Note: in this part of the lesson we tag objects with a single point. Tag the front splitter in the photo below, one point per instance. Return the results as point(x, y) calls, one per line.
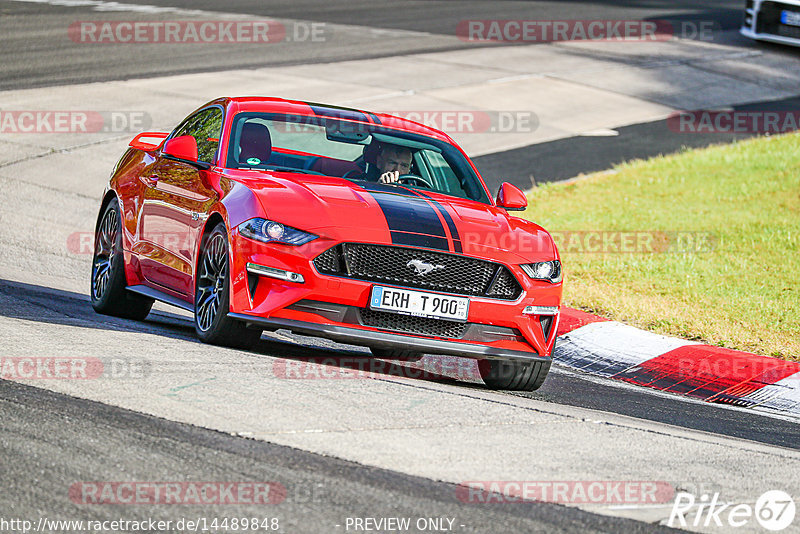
point(370, 338)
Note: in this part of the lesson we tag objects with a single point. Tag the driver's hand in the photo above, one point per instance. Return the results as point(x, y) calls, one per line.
point(389, 177)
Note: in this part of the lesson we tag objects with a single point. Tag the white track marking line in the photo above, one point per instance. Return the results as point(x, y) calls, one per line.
point(117, 7)
point(100, 5)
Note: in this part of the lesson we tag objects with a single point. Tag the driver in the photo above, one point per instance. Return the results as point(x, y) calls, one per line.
point(392, 162)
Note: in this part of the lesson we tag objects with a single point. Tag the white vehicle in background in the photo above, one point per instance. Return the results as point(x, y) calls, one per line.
point(778, 22)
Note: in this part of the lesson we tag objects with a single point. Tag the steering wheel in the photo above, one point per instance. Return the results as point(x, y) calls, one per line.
point(419, 180)
point(355, 172)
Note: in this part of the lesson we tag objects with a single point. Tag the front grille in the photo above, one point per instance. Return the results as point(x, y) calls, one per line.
point(482, 333)
point(393, 265)
point(503, 284)
point(769, 20)
point(788, 31)
point(413, 325)
point(328, 261)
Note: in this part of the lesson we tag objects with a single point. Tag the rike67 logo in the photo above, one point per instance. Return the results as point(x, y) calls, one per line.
point(774, 511)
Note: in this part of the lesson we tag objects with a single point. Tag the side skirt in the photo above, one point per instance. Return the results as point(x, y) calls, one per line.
point(161, 296)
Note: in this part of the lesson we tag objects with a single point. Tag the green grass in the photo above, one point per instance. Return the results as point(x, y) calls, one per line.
point(742, 294)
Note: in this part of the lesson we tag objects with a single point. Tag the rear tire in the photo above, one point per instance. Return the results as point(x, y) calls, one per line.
point(212, 296)
point(514, 375)
point(108, 283)
point(394, 354)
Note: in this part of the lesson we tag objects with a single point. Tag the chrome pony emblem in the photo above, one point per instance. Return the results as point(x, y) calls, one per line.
point(423, 268)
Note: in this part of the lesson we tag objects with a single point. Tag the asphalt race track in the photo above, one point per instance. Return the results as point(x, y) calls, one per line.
point(400, 28)
point(385, 446)
point(320, 491)
point(561, 387)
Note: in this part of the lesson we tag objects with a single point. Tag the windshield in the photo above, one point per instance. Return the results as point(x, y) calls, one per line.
point(351, 150)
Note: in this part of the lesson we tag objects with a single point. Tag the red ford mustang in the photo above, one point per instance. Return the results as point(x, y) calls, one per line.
point(262, 213)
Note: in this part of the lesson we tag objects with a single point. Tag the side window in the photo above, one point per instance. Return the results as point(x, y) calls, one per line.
point(205, 126)
point(419, 165)
point(443, 175)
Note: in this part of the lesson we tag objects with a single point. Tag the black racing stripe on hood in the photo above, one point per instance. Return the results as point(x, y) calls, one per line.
point(390, 189)
point(407, 216)
point(419, 240)
point(451, 225)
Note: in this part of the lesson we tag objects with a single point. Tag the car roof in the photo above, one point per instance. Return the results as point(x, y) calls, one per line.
point(303, 108)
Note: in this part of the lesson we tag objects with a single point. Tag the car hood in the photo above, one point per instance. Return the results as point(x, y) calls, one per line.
point(343, 210)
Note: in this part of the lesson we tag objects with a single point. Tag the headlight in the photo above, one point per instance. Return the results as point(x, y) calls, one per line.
point(544, 270)
point(274, 232)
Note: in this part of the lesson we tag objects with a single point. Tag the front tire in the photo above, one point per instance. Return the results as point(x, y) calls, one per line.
point(212, 296)
point(514, 375)
point(107, 291)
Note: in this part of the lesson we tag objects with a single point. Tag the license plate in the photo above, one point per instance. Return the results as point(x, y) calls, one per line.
point(419, 303)
point(790, 18)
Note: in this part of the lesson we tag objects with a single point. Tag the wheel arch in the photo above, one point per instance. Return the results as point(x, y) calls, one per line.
point(225, 331)
point(132, 274)
point(211, 222)
point(107, 198)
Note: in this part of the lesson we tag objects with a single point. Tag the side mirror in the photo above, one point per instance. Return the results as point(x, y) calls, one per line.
point(511, 198)
point(184, 149)
point(138, 144)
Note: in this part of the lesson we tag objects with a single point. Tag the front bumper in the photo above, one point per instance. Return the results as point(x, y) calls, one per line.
point(762, 22)
point(337, 308)
point(747, 32)
point(357, 336)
